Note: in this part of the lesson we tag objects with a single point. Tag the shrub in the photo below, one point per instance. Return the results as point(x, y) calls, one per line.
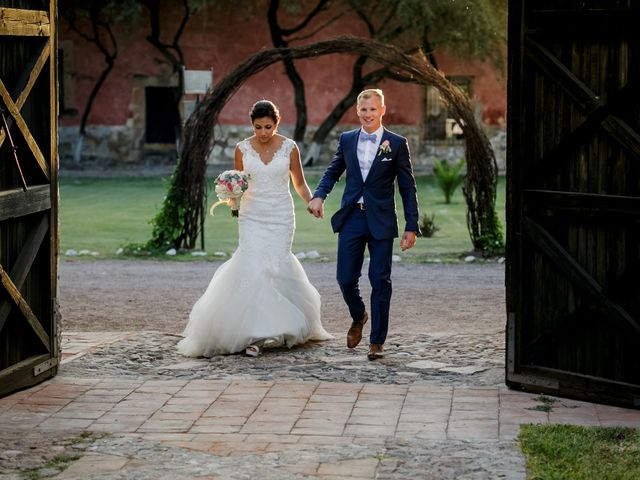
point(448, 177)
point(427, 225)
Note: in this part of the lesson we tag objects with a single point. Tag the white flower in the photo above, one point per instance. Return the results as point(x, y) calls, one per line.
point(230, 185)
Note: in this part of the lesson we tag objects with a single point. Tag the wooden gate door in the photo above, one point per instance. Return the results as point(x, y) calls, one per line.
point(573, 273)
point(29, 321)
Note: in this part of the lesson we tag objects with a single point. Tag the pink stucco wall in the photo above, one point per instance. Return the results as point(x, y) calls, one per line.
point(220, 40)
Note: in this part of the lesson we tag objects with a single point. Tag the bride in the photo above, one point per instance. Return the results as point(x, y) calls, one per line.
point(261, 297)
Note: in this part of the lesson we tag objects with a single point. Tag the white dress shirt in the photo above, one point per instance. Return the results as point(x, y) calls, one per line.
point(367, 151)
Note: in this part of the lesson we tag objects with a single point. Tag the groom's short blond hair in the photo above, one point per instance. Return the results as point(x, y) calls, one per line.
point(371, 92)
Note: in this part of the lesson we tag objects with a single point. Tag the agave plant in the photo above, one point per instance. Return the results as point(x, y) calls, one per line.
point(448, 176)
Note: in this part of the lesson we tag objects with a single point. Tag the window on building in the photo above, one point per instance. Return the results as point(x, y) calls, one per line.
point(438, 122)
point(66, 105)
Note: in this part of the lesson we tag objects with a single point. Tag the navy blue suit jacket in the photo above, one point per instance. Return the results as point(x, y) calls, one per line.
point(378, 190)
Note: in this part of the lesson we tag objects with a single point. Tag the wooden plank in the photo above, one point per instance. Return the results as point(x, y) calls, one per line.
point(555, 69)
point(54, 239)
point(555, 157)
point(25, 84)
point(24, 262)
point(612, 208)
point(598, 113)
point(21, 375)
point(28, 314)
point(33, 146)
point(554, 8)
point(28, 23)
point(18, 203)
point(586, 387)
point(624, 134)
point(34, 74)
point(579, 277)
point(516, 154)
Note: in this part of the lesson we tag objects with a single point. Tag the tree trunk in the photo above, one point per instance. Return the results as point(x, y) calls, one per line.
point(329, 123)
point(278, 41)
point(77, 154)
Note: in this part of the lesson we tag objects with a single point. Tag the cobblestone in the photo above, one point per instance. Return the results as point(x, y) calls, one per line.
point(430, 359)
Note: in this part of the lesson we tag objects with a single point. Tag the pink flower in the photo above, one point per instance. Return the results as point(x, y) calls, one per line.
point(385, 147)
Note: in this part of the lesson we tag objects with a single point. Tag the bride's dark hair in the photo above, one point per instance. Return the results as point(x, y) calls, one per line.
point(264, 108)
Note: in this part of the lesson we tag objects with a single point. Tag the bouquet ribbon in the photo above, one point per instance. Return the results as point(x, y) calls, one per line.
point(232, 202)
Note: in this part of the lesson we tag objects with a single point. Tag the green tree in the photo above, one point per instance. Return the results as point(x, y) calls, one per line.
point(467, 29)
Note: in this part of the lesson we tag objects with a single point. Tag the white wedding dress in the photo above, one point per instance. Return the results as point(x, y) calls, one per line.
point(262, 293)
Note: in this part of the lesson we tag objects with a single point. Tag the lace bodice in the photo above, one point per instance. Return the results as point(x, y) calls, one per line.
point(271, 179)
point(266, 222)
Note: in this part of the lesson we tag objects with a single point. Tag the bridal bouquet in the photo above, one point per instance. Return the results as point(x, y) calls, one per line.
point(230, 185)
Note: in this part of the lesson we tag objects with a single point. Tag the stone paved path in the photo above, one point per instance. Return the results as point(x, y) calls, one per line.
point(124, 405)
point(119, 410)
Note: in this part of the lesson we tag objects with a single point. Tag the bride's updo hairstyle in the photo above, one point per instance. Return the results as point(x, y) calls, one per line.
point(263, 109)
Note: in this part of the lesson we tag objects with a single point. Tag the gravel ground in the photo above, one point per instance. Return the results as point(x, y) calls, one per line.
point(123, 295)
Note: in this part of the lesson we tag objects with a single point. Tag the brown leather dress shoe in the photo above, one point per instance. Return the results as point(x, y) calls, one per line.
point(354, 335)
point(375, 351)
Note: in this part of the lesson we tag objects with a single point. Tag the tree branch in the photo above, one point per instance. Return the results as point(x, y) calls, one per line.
point(320, 28)
point(318, 8)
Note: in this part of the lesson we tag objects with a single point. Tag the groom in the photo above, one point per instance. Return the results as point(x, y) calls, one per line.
point(373, 158)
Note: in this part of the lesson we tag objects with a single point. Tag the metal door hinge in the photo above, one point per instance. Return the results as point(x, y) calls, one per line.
point(44, 366)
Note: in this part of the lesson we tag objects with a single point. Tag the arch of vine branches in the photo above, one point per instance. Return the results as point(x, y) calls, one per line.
point(181, 217)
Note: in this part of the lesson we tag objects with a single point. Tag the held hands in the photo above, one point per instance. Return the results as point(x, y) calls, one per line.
point(408, 240)
point(316, 207)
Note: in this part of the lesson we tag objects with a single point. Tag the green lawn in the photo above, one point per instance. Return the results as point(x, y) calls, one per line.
point(104, 214)
point(572, 452)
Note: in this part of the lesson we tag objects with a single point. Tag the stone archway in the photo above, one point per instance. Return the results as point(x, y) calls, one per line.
point(182, 216)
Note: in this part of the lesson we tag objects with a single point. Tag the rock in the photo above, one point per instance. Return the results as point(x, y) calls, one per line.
point(469, 258)
point(219, 254)
point(198, 254)
point(10, 453)
point(426, 364)
point(71, 253)
point(120, 251)
point(469, 370)
point(396, 258)
point(84, 252)
point(301, 255)
point(171, 252)
point(313, 254)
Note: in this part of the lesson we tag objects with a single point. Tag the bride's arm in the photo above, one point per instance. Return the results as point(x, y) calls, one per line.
point(297, 176)
point(237, 157)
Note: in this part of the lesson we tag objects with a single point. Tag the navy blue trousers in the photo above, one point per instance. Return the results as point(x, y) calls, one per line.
point(353, 238)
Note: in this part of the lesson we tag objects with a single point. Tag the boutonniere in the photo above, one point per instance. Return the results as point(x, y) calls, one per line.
point(384, 147)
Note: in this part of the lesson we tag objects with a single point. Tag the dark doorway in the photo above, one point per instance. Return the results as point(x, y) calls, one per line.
point(162, 117)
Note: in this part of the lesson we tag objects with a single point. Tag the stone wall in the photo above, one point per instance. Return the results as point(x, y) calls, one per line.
point(115, 147)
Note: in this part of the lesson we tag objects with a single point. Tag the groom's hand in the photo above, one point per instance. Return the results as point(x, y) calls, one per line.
point(316, 207)
point(408, 240)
